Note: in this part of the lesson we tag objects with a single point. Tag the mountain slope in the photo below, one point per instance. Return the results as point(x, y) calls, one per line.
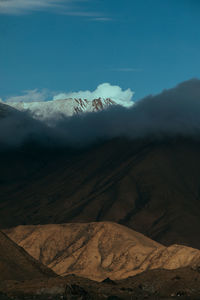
point(16, 264)
point(99, 250)
point(6, 110)
point(150, 186)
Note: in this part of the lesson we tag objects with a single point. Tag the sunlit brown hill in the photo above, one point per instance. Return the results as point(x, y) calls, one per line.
point(99, 250)
point(17, 264)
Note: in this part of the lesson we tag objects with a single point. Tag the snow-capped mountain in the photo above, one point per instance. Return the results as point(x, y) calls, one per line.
point(67, 107)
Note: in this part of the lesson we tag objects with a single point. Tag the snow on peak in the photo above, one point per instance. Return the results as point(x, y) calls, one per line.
point(68, 104)
point(67, 107)
point(103, 91)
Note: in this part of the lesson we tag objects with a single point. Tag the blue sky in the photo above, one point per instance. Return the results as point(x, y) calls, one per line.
point(68, 45)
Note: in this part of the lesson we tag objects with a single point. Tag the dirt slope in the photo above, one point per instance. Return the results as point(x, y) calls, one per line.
point(99, 250)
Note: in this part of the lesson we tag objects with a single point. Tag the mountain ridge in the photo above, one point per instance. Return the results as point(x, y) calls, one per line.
point(45, 110)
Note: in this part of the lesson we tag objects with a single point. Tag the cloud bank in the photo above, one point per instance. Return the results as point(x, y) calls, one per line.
point(29, 96)
point(66, 7)
point(21, 6)
point(104, 90)
point(173, 112)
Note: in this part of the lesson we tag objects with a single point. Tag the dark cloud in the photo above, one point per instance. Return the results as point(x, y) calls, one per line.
point(17, 128)
point(173, 112)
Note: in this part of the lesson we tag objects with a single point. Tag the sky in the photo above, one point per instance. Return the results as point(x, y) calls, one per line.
point(63, 46)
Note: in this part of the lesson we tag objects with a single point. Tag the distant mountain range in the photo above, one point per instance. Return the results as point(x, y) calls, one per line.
point(64, 107)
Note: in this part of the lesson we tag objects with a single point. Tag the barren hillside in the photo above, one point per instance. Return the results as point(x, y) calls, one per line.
point(99, 250)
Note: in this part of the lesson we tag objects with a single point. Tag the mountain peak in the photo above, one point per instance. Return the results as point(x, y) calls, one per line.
point(65, 107)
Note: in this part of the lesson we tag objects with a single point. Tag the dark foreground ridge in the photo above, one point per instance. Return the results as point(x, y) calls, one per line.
point(17, 264)
point(154, 285)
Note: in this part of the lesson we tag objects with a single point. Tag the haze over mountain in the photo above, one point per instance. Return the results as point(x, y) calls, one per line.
point(171, 113)
point(99, 250)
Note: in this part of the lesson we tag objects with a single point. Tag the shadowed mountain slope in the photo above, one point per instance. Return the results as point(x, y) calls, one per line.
point(17, 264)
point(152, 187)
point(5, 110)
point(99, 250)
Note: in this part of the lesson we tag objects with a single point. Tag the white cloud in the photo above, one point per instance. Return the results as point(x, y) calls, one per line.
point(21, 6)
point(30, 96)
point(102, 19)
point(67, 7)
point(127, 70)
point(78, 13)
point(105, 90)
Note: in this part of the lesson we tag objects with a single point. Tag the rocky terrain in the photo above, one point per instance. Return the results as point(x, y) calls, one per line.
point(22, 277)
point(153, 284)
point(99, 250)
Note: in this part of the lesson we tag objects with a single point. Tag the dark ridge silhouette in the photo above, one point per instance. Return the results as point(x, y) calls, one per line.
point(17, 264)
